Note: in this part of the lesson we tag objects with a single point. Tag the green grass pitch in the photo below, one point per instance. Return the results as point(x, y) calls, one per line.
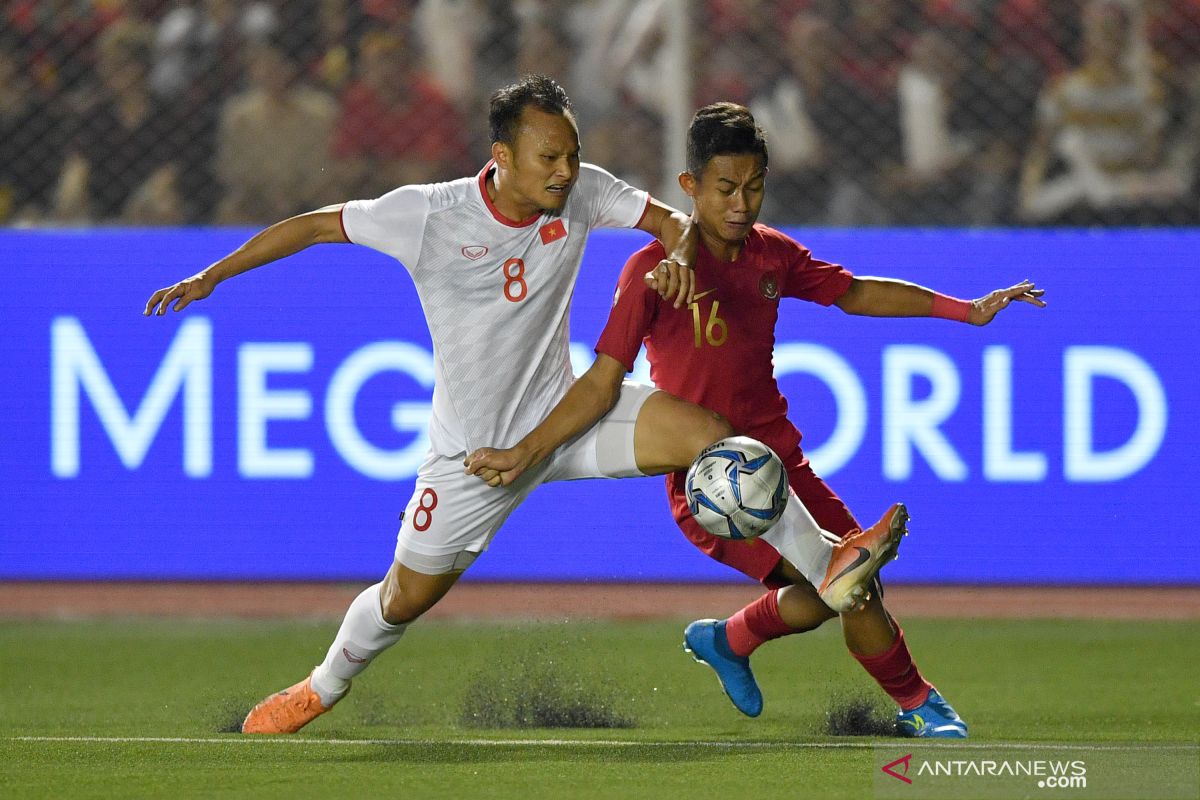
point(172, 687)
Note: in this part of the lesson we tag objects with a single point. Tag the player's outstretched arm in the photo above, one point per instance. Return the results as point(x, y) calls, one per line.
point(589, 399)
point(674, 277)
point(886, 297)
point(278, 241)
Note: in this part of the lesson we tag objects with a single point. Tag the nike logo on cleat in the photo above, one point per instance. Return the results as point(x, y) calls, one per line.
point(863, 555)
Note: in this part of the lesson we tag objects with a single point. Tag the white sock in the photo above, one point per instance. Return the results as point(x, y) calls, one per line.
point(364, 634)
point(803, 542)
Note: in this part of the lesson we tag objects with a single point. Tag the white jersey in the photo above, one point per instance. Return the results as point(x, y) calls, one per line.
point(496, 294)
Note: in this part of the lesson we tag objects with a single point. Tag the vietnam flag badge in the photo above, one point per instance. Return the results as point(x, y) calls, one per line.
point(552, 231)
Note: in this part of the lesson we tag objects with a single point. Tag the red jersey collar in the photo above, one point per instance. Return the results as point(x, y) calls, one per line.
point(487, 200)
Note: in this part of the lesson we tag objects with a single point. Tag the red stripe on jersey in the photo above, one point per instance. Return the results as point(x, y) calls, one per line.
point(645, 211)
point(342, 222)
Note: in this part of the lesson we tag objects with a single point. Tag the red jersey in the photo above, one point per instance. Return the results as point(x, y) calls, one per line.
point(717, 352)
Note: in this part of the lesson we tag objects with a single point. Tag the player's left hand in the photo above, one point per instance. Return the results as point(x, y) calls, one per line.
point(673, 281)
point(985, 309)
point(496, 467)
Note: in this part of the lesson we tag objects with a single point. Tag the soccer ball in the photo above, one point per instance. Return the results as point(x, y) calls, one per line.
point(737, 488)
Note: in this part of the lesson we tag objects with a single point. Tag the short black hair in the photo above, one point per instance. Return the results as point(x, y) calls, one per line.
point(506, 105)
point(723, 129)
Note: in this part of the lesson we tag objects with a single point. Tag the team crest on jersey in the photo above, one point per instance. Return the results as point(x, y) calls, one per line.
point(474, 251)
point(768, 286)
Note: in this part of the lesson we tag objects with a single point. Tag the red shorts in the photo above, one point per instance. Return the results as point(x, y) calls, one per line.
point(755, 557)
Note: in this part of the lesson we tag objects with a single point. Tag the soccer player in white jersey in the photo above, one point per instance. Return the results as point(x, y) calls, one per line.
point(494, 258)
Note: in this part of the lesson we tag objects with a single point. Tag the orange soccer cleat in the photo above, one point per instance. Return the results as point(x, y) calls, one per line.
point(858, 558)
point(286, 711)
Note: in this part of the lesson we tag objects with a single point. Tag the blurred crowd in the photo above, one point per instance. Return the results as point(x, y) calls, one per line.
point(878, 112)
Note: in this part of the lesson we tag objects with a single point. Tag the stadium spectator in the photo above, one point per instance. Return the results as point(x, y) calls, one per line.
point(1184, 151)
point(877, 41)
point(31, 140)
point(863, 121)
point(199, 56)
point(1037, 31)
point(743, 47)
point(794, 112)
point(340, 26)
point(449, 32)
point(395, 127)
point(930, 181)
point(996, 96)
point(269, 175)
point(544, 46)
point(123, 164)
point(203, 41)
point(618, 61)
point(59, 41)
point(1097, 156)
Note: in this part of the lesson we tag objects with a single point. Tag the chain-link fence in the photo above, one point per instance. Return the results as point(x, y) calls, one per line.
point(901, 112)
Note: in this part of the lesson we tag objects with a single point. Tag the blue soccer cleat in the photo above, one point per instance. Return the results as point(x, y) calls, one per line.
point(933, 719)
point(705, 640)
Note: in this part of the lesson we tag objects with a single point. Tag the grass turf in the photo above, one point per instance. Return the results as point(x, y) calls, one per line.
point(416, 723)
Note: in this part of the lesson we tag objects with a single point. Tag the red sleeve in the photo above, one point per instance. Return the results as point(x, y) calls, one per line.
point(808, 278)
point(634, 308)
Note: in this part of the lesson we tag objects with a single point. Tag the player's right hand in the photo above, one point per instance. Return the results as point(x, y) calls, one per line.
point(673, 281)
point(187, 291)
point(496, 467)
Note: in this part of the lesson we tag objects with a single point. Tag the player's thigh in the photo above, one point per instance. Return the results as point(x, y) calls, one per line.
point(452, 517)
point(607, 449)
point(671, 432)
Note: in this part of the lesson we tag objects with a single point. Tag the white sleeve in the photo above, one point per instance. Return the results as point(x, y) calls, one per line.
point(392, 224)
point(613, 203)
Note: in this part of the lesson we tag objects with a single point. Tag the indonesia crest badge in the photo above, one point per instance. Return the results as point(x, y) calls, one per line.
point(768, 286)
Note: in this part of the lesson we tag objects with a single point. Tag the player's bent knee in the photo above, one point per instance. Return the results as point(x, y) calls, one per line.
point(406, 594)
point(671, 432)
point(702, 429)
point(401, 604)
point(717, 428)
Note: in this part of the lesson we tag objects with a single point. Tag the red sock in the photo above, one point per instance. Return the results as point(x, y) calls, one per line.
point(755, 624)
point(897, 674)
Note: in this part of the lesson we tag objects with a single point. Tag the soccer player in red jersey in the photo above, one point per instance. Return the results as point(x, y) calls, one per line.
point(743, 269)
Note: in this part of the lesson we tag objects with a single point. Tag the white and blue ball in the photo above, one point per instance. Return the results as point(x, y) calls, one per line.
point(737, 488)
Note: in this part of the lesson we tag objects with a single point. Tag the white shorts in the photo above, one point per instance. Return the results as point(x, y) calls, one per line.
point(453, 516)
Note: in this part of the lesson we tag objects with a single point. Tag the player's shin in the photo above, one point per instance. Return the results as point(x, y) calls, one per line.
point(364, 634)
point(896, 673)
point(801, 541)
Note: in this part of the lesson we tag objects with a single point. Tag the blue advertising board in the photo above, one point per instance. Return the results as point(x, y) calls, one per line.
point(273, 431)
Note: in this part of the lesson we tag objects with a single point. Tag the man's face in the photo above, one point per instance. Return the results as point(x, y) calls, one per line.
point(543, 162)
point(727, 196)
